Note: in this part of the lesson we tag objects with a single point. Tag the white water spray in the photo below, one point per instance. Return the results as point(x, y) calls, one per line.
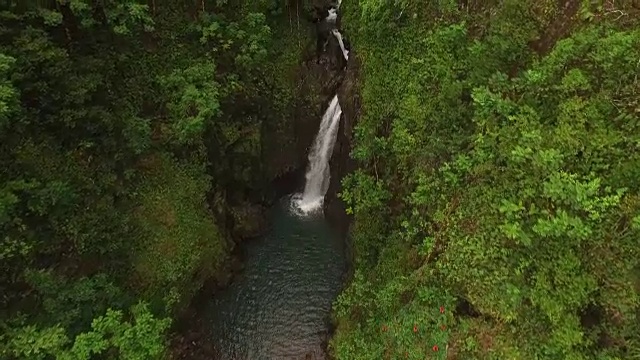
point(338, 36)
point(333, 16)
point(318, 175)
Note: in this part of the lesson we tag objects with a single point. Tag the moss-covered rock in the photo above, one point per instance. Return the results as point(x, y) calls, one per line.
point(181, 244)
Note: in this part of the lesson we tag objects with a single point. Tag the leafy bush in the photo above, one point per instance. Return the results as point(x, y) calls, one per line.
point(509, 189)
point(119, 122)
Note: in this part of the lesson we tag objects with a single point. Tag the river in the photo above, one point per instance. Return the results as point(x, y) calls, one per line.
point(279, 307)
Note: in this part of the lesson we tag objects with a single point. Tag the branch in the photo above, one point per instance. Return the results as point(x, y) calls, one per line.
point(622, 13)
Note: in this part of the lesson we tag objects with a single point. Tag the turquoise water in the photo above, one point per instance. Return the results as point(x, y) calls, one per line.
point(279, 307)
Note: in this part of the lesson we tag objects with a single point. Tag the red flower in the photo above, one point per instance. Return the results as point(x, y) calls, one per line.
point(441, 309)
point(435, 348)
point(415, 328)
point(443, 327)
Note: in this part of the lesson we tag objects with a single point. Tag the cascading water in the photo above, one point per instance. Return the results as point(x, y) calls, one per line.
point(333, 16)
point(318, 176)
point(338, 36)
point(278, 307)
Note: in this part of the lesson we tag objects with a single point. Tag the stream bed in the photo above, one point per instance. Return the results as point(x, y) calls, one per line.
point(279, 306)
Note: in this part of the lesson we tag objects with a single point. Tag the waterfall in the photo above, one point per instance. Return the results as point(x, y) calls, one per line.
point(331, 19)
point(338, 36)
point(318, 176)
point(333, 16)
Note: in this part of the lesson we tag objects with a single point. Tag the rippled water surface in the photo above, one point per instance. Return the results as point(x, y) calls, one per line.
point(278, 308)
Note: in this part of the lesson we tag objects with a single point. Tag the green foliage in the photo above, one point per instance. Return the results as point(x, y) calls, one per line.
point(174, 219)
point(72, 304)
point(509, 186)
point(119, 122)
point(110, 334)
point(127, 15)
point(247, 38)
point(194, 100)
point(8, 94)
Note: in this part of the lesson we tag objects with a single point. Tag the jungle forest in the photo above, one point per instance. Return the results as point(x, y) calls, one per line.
point(486, 173)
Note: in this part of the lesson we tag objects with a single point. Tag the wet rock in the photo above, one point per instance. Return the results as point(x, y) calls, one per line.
point(341, 163)
point(248, 220)
point(314, 86)
point(192, 345)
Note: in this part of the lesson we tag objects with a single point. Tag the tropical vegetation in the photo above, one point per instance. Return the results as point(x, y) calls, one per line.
point(133, 138)
point(496, 203)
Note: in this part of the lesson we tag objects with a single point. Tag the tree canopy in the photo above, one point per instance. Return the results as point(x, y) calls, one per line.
point(129, 132)
point(496, 205)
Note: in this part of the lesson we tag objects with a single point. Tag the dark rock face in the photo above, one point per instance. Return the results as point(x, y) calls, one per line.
point(189, 338)
point(315, 84)
point(285, 156)
point(335, 75)
point(319, 81)
point(249, 221)
point(286, 149)
point(341, 163)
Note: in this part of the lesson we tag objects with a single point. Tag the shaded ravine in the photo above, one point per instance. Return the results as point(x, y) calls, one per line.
point(279, 307)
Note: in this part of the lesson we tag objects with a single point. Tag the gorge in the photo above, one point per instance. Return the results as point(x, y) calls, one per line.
point(279, 306)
